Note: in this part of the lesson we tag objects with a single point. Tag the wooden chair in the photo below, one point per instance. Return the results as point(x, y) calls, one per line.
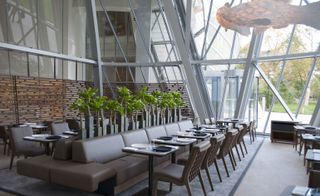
point(21, 147)
point(183, 175)
point(240, 140)
point(226, 149)
point(210, 157)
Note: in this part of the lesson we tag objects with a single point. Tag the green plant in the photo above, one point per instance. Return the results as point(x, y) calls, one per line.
point(134, 106)
point(114, 107)
point(148, 99)
point(178, 100)
point(88, 95)
point(124, 97)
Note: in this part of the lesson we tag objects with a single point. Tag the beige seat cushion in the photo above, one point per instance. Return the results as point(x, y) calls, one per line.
point(171, 173)
point(36, 167)
point(128, 167)
point(85, 177)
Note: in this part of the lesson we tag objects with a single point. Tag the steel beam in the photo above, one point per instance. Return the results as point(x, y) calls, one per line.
point(315, 119)
point(195, 94)
point(46, 53)
point(97, 47)
point(248, 76)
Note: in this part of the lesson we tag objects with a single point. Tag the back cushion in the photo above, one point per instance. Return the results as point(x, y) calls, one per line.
point(101, 150)
point(59, 128)
point(155, 132)
point(185, 125)
point(135, 137)
point(172, 129)
point(63, 149)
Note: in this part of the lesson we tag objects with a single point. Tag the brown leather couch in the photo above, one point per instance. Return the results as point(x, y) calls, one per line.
point(98, 164)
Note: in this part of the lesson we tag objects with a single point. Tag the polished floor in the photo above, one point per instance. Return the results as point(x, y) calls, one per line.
point(275, 167)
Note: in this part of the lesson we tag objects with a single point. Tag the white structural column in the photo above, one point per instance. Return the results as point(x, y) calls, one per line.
point(194, 92)
point(248, 76)
point(97, 46)
point(315, 120)
point(142, 10)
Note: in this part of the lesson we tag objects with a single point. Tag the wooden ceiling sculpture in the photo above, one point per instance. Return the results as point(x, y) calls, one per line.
point(263, 14)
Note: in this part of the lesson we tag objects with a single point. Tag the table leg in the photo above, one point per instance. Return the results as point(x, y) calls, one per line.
point(150, 174)
point(47, 148)
point(173, 157)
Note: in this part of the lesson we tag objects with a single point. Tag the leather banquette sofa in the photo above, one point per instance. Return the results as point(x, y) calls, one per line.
point(98, 164)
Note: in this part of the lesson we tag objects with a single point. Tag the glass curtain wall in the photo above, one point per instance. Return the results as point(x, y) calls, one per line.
point(59, 26)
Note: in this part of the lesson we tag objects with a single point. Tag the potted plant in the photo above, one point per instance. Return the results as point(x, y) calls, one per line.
point(124, 97)
point(83, 103)
point(114, 107)
point(135, 105)
point(179, 103)
point(149, 106)
point(156, 111)
point(80, 106)
point(166, 105)
point(97, 105)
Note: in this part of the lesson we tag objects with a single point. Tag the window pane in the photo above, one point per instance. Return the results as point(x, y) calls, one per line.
point(46, 66)
point(4, 63)
point(50, 25)
point(18, 63)
point(23, 22)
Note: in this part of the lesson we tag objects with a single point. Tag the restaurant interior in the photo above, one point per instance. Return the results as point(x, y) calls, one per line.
point(159, 97)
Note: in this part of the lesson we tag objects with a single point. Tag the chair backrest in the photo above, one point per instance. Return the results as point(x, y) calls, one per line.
point(16, 135)
point(73, 124)
point(314, 179)
point(172, 129)
point(227, 143)
point(207, 121)
point(195, 159)
point(59, 128)
point(251, 126)
point(185, 125)
point(242, 132)
point(211, 155)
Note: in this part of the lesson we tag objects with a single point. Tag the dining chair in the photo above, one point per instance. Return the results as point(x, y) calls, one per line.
point(20, 147)
point(226, 148)
point(240, 140)
point(210, 158)
point(74, 124)
point(235, 146)
point(182, 175)
point(59, 128)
